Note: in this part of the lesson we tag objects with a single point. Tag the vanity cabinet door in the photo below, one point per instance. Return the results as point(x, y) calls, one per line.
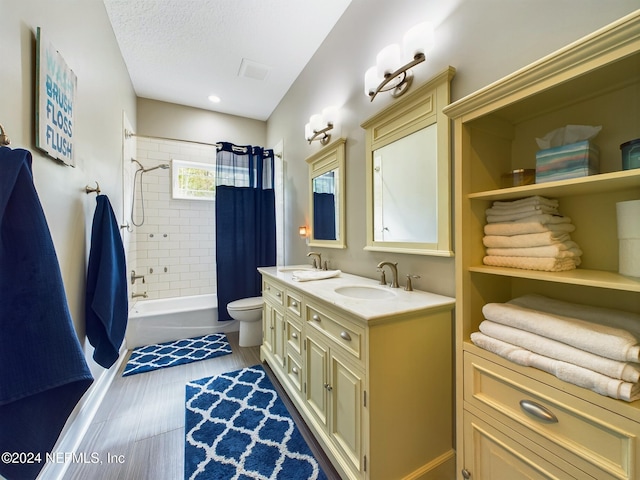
point(316, 366)
point(345, 398)
point(334, 393)
point(273, 333)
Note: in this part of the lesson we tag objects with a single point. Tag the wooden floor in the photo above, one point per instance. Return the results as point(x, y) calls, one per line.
point(138, 431)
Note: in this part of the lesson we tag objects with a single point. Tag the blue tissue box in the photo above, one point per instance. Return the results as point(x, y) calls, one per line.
point(568, 161)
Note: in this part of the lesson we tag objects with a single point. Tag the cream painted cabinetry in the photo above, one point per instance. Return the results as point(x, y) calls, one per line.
point(501, 407)
point(375, 390)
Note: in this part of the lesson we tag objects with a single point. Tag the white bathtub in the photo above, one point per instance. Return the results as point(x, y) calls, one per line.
point(166, 319)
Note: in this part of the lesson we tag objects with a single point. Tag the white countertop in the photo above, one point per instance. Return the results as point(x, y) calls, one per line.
point(367, 309)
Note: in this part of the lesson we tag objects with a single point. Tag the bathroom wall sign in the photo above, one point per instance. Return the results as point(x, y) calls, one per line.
point(56, 87)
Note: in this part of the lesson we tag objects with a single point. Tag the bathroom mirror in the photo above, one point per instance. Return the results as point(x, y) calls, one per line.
point(408, 172)
point(326, 196)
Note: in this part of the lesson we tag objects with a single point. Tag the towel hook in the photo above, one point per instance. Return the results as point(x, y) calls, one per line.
point(4, 140)
point(89, 189)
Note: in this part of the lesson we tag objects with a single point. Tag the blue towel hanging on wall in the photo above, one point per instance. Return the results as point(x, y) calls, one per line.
point(106, 305)
point(43, 371)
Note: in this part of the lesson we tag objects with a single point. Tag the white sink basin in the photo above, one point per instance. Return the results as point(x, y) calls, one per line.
point(293, 268)
point(365, 292)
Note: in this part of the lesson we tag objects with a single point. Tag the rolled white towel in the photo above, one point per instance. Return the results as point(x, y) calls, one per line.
point(308, 275)
point(627, 371)
point(559, 250)
point(533, 200)
point(567, 372)
point(607, 316)
point(527, 240)
point(544, 264)
point(610, 342)
point(523, 228)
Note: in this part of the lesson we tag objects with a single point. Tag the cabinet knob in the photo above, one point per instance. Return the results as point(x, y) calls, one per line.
point(328, 387)
point(278, 294)
point(538, 411)
point(345, 336)
point(316, 317)
point(294, 370)
point(294, 335)
point(466, 474)
point(294, 303)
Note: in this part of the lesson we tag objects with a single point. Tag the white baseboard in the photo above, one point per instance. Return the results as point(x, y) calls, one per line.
point(79, 421)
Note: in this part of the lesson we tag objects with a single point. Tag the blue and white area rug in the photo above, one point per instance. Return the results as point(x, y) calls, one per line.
point(238, 428)
point(177, 352)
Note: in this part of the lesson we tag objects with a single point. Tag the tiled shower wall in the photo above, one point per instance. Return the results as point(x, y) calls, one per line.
point(175, 246)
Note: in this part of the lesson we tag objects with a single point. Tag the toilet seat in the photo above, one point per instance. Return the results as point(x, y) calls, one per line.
point(251, 303)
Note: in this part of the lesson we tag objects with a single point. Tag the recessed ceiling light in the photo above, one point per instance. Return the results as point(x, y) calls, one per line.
point(214, 98)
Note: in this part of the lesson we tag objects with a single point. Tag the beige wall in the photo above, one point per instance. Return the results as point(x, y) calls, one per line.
point(483, 39)
point(80, 30)
point(162, 119)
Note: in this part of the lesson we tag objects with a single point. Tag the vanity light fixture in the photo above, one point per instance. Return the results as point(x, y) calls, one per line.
point(320, 124)
point(389, 74)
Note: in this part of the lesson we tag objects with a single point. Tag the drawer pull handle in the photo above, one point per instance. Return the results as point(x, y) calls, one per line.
point(345, 336)
point(294, 370)
point(294, 335)
point(538, 411)
point(316, 317)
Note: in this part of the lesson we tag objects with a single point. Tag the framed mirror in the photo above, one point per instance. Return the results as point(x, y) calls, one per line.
point(327, 197)
point(409, 174)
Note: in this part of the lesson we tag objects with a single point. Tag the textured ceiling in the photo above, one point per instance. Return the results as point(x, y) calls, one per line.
point(247, 52)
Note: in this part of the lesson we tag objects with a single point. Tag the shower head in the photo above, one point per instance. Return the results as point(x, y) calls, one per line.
point(163, 166)
point(141, 168)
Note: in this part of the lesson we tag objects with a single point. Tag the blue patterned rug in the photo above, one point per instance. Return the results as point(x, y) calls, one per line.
point(177, 352)
point(238, 428)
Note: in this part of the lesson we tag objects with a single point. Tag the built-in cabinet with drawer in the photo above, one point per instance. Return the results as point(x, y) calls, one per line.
point(516, 422)
point(376, 392)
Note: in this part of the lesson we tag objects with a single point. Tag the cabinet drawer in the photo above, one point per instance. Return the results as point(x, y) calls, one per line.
point(598, 441)
point(491, 454)
point(293, 303)
point(273, 291)
point(345, 333)
point(294, 372)
point(294, 336)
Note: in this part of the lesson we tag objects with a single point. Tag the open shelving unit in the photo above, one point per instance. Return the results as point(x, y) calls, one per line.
point(594, 81)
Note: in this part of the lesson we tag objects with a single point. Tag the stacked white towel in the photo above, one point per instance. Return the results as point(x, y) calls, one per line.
point(592, 347)
point(530, 233)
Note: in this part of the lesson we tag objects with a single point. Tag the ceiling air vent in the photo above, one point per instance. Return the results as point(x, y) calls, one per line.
point(254, 70)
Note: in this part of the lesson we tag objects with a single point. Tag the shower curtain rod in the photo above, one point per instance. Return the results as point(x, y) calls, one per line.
point(129, 134)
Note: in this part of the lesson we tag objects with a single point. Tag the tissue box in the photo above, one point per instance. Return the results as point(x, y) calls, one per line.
point(568, 161)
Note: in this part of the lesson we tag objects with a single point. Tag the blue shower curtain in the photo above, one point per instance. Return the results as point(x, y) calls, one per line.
point(245, 221)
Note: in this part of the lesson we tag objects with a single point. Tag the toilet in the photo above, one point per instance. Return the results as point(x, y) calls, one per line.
point(248, 311)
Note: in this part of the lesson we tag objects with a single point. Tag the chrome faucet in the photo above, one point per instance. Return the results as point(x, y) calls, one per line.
point(393, 266)
point(317, 264)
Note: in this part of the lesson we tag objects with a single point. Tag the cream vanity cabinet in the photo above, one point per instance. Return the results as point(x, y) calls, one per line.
point(373, 383)
point(501, 428)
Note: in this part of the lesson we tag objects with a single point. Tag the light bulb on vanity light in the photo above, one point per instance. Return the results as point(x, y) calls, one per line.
point(418, 40)
point(388, 60)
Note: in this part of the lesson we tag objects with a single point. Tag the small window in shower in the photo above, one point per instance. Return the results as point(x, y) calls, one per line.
point(192, 181)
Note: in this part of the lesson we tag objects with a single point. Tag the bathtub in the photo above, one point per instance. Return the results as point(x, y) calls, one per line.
point(166, 319)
